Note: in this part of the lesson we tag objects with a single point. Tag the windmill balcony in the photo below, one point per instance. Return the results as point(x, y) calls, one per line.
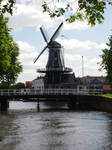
point(44, 70)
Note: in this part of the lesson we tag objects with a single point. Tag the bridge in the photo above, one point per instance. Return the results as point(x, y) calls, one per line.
point(60, 94)
point(40, 93)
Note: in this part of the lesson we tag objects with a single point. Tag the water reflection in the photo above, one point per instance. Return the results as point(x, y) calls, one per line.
point(8, 131)
point(23, 128)
point(53, 132)
point(109, 132)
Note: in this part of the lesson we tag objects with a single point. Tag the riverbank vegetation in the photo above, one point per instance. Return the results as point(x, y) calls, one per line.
point(107, 95)
point(107, 60)
point(10, 67)
point(5, 85)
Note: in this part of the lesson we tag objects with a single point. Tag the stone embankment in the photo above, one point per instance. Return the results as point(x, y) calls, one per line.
point(99, 103)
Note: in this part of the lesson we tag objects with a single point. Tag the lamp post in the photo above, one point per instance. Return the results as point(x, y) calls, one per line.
point(82, 67)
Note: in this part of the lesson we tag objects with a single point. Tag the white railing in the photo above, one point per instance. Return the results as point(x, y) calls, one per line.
point(66, 69)
point(17, 92)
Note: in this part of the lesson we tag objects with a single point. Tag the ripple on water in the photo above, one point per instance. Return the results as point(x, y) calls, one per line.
point(55, 130)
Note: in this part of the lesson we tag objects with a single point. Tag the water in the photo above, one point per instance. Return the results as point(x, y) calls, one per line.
point(23, 128)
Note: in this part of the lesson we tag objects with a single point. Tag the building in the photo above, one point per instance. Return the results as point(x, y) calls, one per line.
point(85, 83)
point(94, 82)
point(38, 83)
point(67, 81)
point(28, 84)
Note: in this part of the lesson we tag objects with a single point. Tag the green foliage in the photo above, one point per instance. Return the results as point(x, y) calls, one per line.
point(18, 85)
point(107, 60)
point(90, 10)
point(7, 7)
point(4, 85)
point(10, 67)
point(4, 45)
point(107, 95)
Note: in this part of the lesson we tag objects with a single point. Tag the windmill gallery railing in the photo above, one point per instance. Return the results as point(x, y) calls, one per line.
point(41, 92)
point(66, 69)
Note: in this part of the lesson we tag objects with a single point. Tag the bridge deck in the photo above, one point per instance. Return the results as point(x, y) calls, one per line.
point(42, 93)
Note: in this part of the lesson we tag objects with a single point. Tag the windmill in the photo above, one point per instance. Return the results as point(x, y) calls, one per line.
point(55, 72)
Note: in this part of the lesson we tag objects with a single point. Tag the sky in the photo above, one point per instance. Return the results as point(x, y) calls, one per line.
point(78, 39)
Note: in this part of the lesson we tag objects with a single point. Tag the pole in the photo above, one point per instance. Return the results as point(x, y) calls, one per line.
point(82, 67)
point(38, 106)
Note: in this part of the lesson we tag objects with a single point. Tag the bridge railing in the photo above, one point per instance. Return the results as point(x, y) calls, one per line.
point(17, 92)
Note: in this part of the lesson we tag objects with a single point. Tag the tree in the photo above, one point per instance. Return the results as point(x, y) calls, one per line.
point(7, 7)
point(10, 67)
point(18, 85)
point(4, 85)
point(90, 10)
point(107, 59)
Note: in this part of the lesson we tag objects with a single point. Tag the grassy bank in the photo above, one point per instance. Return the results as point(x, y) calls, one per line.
point(107, 95)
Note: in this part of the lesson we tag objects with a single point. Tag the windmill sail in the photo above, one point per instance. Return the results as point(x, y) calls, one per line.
point(56, 74)
point(55, 35)
point(44, 34)
point(40, 54)
point(50, 44)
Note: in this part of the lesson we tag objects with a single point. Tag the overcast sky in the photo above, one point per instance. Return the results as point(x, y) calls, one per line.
point(78, 39)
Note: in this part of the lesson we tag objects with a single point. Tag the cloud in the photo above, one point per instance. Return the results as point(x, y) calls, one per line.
point(27, 55)
point(76, 26)
point(72, 57)
point(91, 66)
point(29, 13)
point(74, 44)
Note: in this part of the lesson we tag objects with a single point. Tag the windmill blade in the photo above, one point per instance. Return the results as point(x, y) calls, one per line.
point(40, 54)
point(56, 32)
point(44, 35)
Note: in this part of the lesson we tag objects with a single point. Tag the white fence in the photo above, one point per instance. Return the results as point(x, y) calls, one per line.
point(17, 92)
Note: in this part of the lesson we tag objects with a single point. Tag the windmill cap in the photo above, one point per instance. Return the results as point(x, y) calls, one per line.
point(54, 44)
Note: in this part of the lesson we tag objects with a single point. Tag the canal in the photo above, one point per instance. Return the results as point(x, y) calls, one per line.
point(24, 128)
